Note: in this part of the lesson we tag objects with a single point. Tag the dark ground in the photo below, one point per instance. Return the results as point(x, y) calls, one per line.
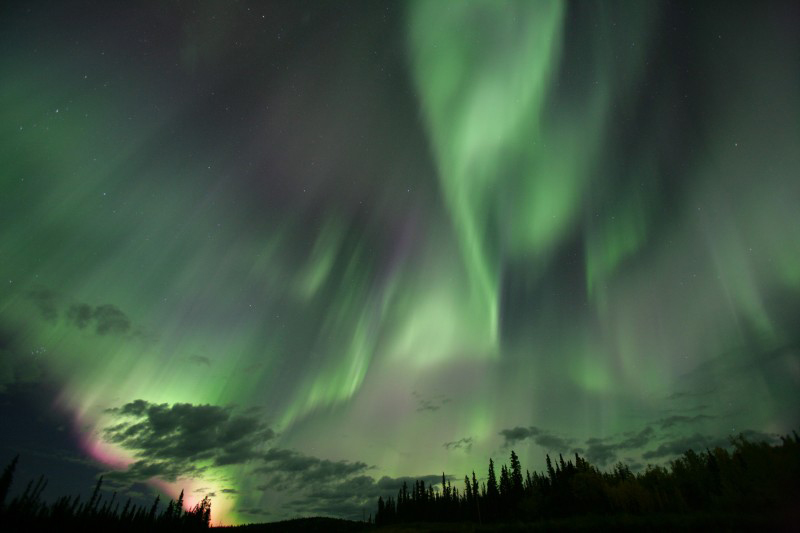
point(305, 525)
point(788, 521)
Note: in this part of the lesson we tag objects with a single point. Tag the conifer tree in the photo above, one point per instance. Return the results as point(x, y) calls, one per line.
point(492, 491)
point(179, 506)
point(550, 472)
point(152, 516)
point(94, 500)
point(7, 478)
point(516, 476)
point(380, 516)
point(505, 482)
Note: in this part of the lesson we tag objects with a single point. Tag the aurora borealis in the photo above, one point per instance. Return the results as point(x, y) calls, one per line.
point(251, 247)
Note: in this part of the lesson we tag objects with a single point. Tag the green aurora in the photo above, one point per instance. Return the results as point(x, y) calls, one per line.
point(389, 232)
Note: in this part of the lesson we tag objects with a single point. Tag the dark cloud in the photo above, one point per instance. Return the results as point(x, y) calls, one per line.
point(518, 433)
point(107, 318)
point(229, 491)
point(688, 409)
point(677, 446)
point(288, 467)
point(145, 469)
point(46, 301)
point(253, 511)
point(168, 441)
point(394, 483)
point(635, 466)
point(333, 488)
point(348, 498)
point(140, 493)
point(347, 506)
point(358, 486)
point(199, 360)
point(759, 436)
point(598, 451)
point(460, 444)
point(553, 442)
point(698, 442)
point(637, 440)
point(670, 421)
point(429, 404)
point(80, 314)
point(249, 369)
point(206, 491)
point(541, 437)
point(682, 395)
point(604, 451)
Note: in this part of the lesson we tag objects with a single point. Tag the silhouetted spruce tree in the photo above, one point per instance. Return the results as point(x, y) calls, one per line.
point(179, 507)
point(380, 516)
point(199, 517)
point(516, 476)
point(505, 482)
point(167, 516)
point(124, 514)
point(476, 495)
point(91, 506)
point(153, 510)
point(7, 478)
point(492, 492)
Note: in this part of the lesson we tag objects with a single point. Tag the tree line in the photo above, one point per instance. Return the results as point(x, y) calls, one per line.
point(28, 512)
point(755, 477)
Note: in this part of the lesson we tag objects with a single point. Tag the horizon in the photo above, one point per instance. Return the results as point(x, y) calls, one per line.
point(250, 249)
point(509, 496)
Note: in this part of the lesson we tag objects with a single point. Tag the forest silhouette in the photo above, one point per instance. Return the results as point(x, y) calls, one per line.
point(754, 484)
point(755, 479)
point(27, 511)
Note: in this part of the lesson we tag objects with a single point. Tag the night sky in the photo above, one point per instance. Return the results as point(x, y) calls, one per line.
point(286, 253)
